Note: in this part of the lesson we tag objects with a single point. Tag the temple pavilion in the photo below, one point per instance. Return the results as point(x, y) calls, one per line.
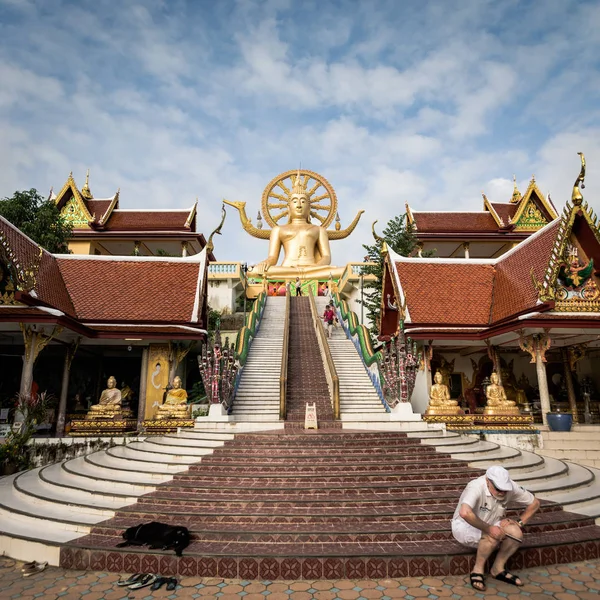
point(101, 227)
point(487, 234)
point(531, 313)
point(68, 322)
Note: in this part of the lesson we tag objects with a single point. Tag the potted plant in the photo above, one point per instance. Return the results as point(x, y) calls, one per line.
point(559, 421)
point(29, 410)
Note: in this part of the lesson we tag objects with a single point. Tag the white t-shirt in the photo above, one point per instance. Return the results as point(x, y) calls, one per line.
point(485, 506)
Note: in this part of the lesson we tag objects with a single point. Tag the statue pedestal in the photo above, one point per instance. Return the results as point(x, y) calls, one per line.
point(403, 412)
point(108, 421)
point(161, 426)
point(503, 422)
point(452, 420)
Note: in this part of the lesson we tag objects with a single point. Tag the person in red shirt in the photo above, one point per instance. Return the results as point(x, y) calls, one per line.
point(328, 317)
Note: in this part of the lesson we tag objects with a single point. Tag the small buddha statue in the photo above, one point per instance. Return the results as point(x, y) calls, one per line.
point(126, 394)
point(109, 403)
point(440, 402)
point(175, 404)
point(497, 402)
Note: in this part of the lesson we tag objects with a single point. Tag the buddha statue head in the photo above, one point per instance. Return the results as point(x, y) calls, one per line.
point(299, 203)
point(438, 378)
point(177, 382)
point(494, 378)
point(111, 383)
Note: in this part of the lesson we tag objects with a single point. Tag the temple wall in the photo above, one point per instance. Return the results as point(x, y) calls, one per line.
point(80, 247)
point(420, 396)
point(222, 295)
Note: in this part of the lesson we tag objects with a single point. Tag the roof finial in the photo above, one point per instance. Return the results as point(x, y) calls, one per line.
point(85, 190)
point(516, 196)
point(576, 196)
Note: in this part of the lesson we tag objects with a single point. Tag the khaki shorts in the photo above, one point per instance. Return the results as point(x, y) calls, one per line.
point(466, 534)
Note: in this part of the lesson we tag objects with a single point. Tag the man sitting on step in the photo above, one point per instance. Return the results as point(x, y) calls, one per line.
point(479, 522)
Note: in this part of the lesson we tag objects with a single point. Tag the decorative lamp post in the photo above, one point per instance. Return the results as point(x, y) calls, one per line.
point(244, 268)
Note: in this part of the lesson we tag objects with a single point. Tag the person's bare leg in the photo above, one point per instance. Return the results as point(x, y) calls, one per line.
point(507, 548)
point(487, 545)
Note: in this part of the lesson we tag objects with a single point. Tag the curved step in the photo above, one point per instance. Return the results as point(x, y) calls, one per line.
point(103, 460)
point(144, 482)
point(63, 486)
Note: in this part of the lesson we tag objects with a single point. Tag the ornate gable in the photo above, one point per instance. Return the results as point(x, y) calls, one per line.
point(73, 206)
point(571, 280)
point(534, 210)
point(15, 276)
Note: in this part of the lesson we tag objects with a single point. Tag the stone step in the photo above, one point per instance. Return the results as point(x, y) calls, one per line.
point(103, 460)
point(333, 560)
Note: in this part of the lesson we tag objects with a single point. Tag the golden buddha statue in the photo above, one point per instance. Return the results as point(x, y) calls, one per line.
point(497, 402)
point(109, 404)
point(440, 402)
point(175, 404)
point(305, 245)
point(514, 393)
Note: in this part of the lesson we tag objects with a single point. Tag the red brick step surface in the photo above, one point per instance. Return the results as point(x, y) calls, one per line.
point(355, 522)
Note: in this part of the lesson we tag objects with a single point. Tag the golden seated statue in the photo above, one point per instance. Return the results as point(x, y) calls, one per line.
point(109, 405)
point(440, 402)
point(175, 405)
point(306, 247)
point(497, 402)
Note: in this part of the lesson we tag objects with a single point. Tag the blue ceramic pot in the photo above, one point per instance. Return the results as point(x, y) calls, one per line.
point(559, 421)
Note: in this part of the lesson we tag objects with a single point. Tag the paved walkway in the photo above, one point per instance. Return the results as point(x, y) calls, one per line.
point(564, 582)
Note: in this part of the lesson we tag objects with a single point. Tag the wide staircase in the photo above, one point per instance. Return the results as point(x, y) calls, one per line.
point(582, 448)
point(286, 505)
point(307, 382)
point(257, 397)
point(358, 397)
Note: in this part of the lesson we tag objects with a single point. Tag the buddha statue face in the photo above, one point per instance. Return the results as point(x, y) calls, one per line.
point(111, 383)
point(438, 378)
point(494, 378)
point(177, 382)
point(299, 206)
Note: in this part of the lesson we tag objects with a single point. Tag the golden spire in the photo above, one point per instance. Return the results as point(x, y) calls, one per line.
point(299, 186)
point(338, 225)
point(85, 190)
point(516, 196)
point(577, 197)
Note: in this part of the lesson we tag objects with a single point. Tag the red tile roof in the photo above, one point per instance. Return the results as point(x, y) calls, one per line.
point(98, 208)
point(449, 293)
point(49, 286)
point(505, 211)
point(454, 222)
point(513, 290)
point(129, 290)
point(135, 220)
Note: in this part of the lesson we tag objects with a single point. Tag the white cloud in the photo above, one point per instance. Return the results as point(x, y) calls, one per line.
point(391, 102)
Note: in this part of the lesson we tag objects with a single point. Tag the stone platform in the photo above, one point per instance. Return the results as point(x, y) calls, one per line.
point(323, 505)
point(102, 427)
point(161, 426)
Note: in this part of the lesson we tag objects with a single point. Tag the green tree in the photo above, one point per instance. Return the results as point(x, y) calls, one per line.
point(400, 236)
point(38, 218)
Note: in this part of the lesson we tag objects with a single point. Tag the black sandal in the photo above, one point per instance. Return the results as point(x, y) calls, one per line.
point(509, 578)
point(478, 582)
point(172, 584)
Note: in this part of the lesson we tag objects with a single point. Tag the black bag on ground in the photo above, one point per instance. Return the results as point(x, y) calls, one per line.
point(157, 535)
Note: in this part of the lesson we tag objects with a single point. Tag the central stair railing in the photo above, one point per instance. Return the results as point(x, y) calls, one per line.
point(284, 359)
point(330, 371)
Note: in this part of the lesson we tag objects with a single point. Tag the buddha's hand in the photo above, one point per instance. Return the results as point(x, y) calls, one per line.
point(261, 268)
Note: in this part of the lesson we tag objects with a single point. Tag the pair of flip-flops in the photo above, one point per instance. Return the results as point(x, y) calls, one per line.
point(170, 581)
point(33, 567)
point(478, 580)
point(141, 580)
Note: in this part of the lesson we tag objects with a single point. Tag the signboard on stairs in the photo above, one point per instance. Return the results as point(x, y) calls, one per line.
point(310, 416)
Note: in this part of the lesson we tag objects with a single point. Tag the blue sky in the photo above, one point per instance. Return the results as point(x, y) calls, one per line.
point(392, 101)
